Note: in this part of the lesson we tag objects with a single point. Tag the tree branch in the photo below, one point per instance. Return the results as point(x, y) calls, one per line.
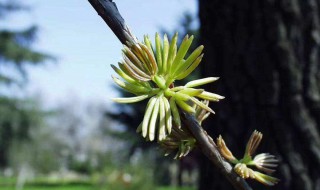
point(209, 148)
point(108, 11)
point(110, 14)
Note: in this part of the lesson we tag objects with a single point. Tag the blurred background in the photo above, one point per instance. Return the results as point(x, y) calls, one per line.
point(59, 129)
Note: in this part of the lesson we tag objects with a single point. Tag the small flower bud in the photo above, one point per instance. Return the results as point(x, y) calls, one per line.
point(225, 152)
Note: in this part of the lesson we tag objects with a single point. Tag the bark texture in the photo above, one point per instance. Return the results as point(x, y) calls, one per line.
point(267, 55)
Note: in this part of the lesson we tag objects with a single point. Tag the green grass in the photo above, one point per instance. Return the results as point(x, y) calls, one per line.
point(5, 180)
point(42, 184)
point(75, 187)
point(52, 188)
point(176, 188)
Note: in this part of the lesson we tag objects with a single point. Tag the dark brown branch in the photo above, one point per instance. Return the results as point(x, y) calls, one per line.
point(110, 14)
point(209, 148)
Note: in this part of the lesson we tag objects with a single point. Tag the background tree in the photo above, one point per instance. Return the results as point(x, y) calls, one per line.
point(267, 55)
point(16, 116)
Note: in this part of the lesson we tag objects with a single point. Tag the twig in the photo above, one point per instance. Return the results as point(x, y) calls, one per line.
point(110, 14)
point(209, 148)
point(108, 11)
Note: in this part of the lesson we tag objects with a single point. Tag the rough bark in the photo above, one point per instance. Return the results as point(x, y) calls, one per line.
point(267, 55)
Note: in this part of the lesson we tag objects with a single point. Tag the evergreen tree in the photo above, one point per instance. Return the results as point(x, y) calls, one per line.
point(17, 116)
point(15, 47)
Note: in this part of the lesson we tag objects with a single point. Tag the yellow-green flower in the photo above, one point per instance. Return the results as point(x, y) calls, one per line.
point(264, 162)
point(150, 72)
point(243, 171)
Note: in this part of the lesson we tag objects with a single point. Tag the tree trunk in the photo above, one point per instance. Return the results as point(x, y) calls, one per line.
point(267, 55)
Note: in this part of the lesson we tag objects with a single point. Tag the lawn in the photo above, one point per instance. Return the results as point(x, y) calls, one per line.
point(51, 188)
point(176, 188)
point(79, 187)
point(42, 184)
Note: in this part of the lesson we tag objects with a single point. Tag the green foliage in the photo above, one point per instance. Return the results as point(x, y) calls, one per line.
point(46, 183)
point(16, 51)
point(17, 116)
point(74, 187)
point(175, 188)
point(79, 187)
point(43, 184)
point(130, 177)
point(16, 119)
point(137, 175)
point(121, 173)
point(81, 167)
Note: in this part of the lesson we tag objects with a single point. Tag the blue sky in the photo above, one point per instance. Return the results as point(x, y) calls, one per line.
point(85, 47)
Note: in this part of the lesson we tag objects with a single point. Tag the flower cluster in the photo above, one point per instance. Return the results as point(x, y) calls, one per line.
point(264, 162)
point(150, 72)
point(180, 138)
